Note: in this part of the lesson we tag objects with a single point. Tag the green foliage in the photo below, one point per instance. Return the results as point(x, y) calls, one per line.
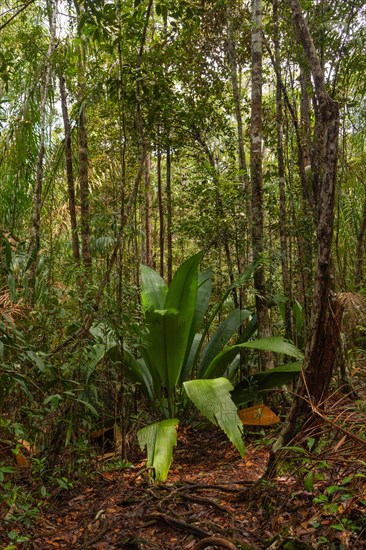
point(159, 439)
point(171, 347)
point(212, 398)
point(274, 344)
point(252, 388)
point(171, 352)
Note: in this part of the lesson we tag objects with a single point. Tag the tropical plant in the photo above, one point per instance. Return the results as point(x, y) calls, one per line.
point(170, 354)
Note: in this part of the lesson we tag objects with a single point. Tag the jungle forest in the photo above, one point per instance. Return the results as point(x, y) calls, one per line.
point(182, 274)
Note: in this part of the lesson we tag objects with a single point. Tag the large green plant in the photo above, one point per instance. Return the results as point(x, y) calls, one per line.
point(172, 352)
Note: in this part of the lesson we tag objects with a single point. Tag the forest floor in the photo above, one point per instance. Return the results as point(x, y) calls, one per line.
point(212, 492)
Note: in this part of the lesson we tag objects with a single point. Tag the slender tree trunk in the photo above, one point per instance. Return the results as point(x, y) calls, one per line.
point(84, 187)
point(264, 327)
point(224, 237)
point(69, 171)
point(161, 213)
point(243, 169)
point(35, 236)
point(169, 216)
point(307, 172)
point(83, 152)
point(148, 214)
point(121, 394)
point(324, 329)
point(244, 181)
point(286, 279)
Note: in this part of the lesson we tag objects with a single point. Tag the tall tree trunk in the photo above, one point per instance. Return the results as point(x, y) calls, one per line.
point(309, 198)
point(35, 235)
point(84, 186)
point(161, 213)
point(121, 394)
point(83, 152)
point(264, 327)
point(324, 329)
point(244, 181)
point(169, 215)
point(307, 174)
point(69, 171)
point(286, 279)
point(148, 214)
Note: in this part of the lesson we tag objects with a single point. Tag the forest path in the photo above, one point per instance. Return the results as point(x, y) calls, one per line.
point(116, 509)
point(209, 493)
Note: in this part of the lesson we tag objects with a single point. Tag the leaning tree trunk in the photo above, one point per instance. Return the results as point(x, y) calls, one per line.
point(264, 328)
point(323, 335)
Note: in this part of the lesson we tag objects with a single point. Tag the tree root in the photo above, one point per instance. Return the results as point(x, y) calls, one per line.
point(208, 502)
point(177, 523)
point(215, 541)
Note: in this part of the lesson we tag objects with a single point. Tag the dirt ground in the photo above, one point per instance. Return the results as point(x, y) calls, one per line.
point(210, 492)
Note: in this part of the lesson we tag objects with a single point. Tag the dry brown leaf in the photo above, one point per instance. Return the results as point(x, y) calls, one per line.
point(21, 461)
point(258, 415)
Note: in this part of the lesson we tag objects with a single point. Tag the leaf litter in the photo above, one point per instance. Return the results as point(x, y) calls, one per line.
point(214, 499)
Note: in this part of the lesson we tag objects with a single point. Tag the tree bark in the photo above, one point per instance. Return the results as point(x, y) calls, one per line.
point(324, 329)
point(169, 216)
point(244, 223)
point(286, 278)
point(161, 213)
point(35, 234)
point(83, 153)
point(264, 328)
point(84, 187)
point(69, 171)
point(148, 214)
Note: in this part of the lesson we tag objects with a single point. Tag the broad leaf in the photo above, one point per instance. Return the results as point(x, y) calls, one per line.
point(159, 439)
point(278, 376)
point(251, 388)
point(212, 398)
point(244, 277)
point(202, 301)
point(190, 360)
point(139, 373)
point(221, 337)
point(153, 289)
point(182, 295)
point(275, 344)
point(165, 347)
